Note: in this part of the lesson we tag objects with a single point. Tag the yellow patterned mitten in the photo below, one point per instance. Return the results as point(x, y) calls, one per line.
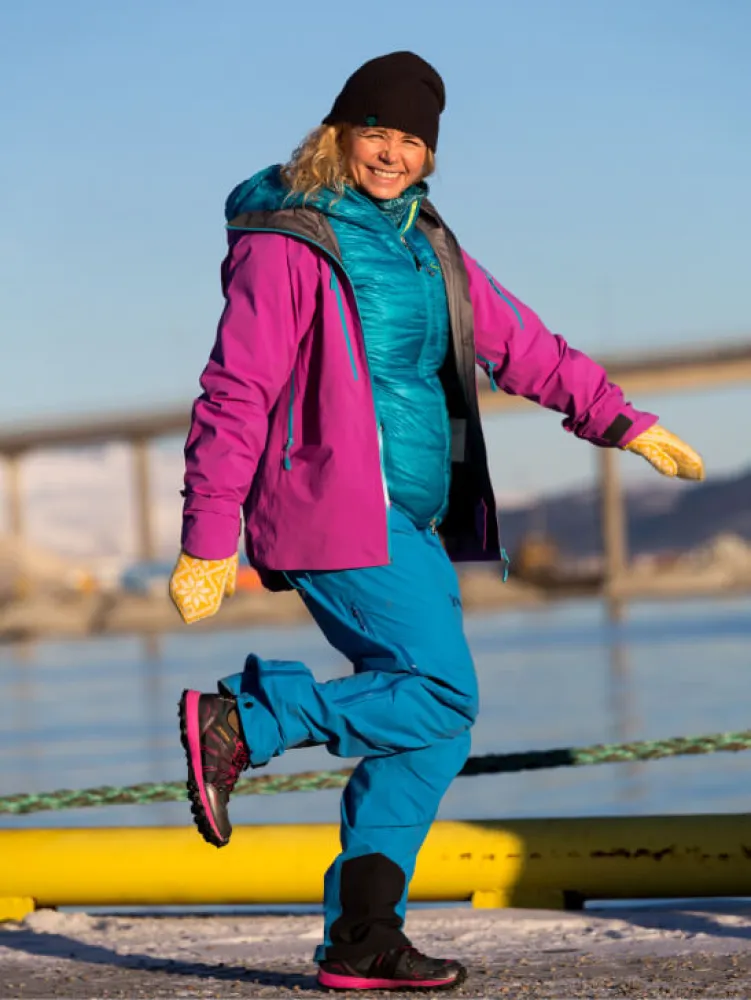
point(667, 453)
point(197, 586)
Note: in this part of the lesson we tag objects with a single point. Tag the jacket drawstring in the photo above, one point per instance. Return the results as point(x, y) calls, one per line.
point(492, 365)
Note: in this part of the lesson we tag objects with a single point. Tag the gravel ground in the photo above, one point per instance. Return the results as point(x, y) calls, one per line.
point(520, 954)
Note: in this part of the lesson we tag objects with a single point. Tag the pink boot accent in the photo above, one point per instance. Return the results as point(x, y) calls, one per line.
point(194, 744)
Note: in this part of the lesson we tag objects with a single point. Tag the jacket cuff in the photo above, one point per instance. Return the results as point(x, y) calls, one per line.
point(209, 535)
point(612, 426)
point(626, 427)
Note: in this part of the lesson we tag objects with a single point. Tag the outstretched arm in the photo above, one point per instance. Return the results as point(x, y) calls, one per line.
point(522, 357)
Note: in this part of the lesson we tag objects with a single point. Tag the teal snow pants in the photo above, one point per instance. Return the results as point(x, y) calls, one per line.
point(405, 711)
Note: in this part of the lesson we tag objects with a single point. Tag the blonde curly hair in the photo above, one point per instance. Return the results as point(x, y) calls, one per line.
point(320, 162)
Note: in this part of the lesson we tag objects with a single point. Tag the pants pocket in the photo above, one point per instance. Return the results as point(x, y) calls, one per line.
point(359, 618)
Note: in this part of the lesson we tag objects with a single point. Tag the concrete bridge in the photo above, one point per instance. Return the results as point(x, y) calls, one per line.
point(690, 369)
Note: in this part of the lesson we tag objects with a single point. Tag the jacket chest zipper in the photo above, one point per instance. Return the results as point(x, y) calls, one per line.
point(412, 253)
point(433, 523)
point(413, 210)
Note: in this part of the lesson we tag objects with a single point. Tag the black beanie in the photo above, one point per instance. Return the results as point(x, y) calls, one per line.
point(399, 90)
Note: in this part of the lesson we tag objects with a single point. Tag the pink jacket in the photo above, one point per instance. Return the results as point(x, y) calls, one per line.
point(285, 428)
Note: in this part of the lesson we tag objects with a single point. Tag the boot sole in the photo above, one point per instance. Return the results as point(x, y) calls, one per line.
point(344, 984)
point(189, 738)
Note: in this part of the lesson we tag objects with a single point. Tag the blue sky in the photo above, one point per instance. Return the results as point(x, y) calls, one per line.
point(594, 154)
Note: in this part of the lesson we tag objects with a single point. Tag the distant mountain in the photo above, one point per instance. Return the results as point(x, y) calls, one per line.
point(668, 516)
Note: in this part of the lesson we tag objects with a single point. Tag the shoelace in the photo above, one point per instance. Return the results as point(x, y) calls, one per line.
point(226, 777)
point(411, 955)
point(238, 763)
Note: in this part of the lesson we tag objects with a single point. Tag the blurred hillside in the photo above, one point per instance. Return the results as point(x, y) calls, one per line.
point(666, 517)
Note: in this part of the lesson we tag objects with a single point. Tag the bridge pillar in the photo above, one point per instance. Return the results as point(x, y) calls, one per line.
point(14, 495)
point(614, 532)
point(145, 547)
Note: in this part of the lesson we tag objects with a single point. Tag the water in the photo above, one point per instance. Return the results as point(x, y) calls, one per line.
point(103, 712)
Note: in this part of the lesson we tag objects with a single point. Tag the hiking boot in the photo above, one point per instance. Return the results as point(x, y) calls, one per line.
point(217, 754)
point(398, 969)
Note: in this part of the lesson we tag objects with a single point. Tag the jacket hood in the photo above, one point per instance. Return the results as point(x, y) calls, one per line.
point(263, 192)
point(266, 192)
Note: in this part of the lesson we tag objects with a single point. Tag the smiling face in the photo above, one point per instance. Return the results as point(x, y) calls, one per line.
point(383, 162)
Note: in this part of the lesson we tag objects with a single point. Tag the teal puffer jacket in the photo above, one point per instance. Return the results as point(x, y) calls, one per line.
point(402, 305)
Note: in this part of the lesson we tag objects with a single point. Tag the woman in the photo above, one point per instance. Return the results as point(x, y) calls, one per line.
point(339, 413)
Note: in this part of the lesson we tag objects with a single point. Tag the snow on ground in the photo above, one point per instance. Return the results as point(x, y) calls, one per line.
point(699, 950)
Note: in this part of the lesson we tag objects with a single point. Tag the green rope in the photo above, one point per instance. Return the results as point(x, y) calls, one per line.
point(313, 781)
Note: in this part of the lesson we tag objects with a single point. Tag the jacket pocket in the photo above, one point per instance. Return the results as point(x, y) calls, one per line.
point(501, 294)
point(347, 339)
point(359, 619)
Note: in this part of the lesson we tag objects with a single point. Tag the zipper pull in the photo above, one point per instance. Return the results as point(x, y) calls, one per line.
point(416, 259)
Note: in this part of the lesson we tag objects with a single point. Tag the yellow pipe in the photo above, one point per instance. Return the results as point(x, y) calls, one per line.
point(516, 863)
